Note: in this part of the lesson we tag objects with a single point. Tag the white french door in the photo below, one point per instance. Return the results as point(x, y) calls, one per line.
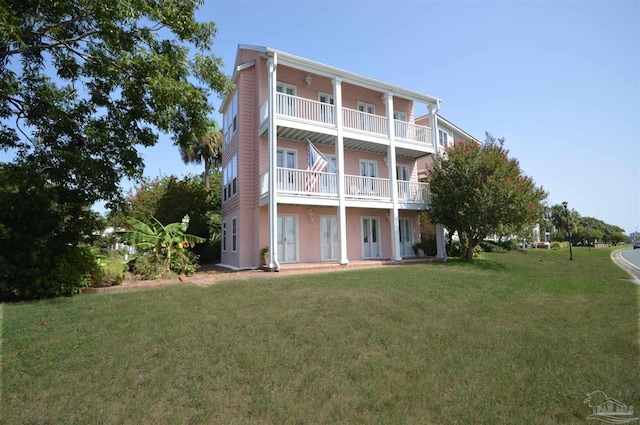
point(400, 124)
point(329, 230)
point(286, 158)
point(368, 170)
point(402, 175)
point(366, 121)
point(287, 105)
point(370, 237)
point(287, 238)
point(328, 182)
point(325, 113)
point(406, 237)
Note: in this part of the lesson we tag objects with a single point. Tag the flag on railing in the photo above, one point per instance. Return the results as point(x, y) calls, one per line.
point(315, 163)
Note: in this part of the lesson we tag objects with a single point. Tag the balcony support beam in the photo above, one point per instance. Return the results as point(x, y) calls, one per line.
point(393, 180)
point(273, 155)
point(342, 207)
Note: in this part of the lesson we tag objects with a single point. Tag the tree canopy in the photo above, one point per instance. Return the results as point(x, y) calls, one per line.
point(478, 190)
point(82, 85)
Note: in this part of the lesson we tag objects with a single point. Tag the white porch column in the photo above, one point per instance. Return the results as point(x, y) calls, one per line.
point(393, 182)
point(441, 252)
point(272, 64)
point(342, 209)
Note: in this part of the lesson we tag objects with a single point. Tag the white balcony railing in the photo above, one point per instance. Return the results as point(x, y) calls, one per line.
point(366, 187)
point(363, 121)
point(294, 181)
point(412, 132)
point(301, 182)
point(305, 109)
point(323, 113)
point(414, 192)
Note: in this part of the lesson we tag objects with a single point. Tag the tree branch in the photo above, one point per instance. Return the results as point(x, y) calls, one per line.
point(60, 43)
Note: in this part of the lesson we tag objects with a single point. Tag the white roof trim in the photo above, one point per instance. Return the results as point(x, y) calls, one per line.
point(318, 68)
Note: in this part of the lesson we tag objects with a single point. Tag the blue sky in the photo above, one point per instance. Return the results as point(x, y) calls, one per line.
point(559, 80)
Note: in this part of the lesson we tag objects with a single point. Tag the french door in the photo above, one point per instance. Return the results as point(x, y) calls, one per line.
point(400, 124)
point(368, 172)
point(370, 237)
point(325, 113)
point(402, 175)
point(286, 105)
point(329, 230)
point(365, 120)
point(287, 238)
point(406, 237)
point(286, 158)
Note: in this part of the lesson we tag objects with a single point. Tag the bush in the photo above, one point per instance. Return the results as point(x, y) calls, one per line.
point(111, 272)
point(490, 246)
point(73, 270)
point(185, 264)
point(428, 247)
point(453, 249)
point(559, 245)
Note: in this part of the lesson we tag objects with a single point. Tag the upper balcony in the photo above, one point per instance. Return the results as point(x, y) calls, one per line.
point(295, 186)
point(300, 118)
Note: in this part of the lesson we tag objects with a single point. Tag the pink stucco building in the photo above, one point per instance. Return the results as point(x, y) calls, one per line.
point(321, 164)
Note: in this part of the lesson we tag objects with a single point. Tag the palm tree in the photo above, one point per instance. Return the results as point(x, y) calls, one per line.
point(207, 148)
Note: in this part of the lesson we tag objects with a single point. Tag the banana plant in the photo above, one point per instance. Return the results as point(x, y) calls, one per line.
point(162, 240)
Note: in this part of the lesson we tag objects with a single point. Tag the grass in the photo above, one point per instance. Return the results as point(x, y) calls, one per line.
point(510, 339)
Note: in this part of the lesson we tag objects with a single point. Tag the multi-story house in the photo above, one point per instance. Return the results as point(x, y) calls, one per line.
point(320, 164)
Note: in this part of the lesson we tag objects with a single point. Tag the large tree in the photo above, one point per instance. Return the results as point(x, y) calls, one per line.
point(477, 189)
point(206, 148)
point(83, 83)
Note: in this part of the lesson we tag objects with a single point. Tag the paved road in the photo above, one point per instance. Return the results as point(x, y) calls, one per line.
point(628, 259)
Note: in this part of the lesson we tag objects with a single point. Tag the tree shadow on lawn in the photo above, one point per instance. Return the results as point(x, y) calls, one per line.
point(478, 263)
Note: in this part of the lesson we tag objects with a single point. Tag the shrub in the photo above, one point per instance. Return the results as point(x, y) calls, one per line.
point(490, 246)
point(428, 247)
point(559, 245)
point(73, 270)
point(453, 249)
point(111, 272)
point(184, 263)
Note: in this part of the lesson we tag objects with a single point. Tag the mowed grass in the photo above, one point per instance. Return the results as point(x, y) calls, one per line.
point(511, 339)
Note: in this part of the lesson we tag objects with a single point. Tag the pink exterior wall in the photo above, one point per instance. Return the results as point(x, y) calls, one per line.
point(252, 151)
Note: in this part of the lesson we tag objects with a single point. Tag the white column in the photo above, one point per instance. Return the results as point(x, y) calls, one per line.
point(273, 158)
point(441, 252)
point(342, 209)
point(393, 182)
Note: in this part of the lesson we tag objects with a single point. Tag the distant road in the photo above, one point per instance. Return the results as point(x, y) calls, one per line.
point(628, 259)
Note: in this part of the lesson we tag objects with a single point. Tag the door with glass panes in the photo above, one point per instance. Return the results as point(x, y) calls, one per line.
point(370, 237)
point(329, 230)
point(406, 237)
point(286, 105)
point(325, 112)
point(287, 238)
point(286, 162)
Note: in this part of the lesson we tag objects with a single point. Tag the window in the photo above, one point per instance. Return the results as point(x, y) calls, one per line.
point(229, 178)
point(442, 137)
point(366, 119)
point(230, 119)
point(234, 234)
point(224, 236)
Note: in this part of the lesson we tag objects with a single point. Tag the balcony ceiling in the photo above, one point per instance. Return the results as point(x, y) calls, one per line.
point(320, 139)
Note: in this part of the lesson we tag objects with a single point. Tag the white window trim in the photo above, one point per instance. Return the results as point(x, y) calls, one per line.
point(284, 86)
point(234, 236)
point(441, 131)
point(365, 104)
point(224, 236)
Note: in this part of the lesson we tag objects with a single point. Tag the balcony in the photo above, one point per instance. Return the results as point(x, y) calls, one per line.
point(311, 112)
point(311, 188)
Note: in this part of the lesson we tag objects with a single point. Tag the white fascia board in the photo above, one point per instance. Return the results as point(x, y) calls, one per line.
point(449, 125)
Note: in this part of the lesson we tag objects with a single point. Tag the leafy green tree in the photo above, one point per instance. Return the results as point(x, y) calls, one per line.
point(477, 189)
point(205, 148)
point(82, 85)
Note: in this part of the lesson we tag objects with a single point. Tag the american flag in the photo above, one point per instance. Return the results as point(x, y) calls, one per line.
point(315, 163)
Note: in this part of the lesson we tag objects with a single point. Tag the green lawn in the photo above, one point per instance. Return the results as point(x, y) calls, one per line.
point(512, 339)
